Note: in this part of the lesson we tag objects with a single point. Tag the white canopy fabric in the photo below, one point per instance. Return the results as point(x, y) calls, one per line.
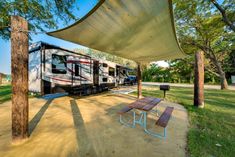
point(139, 30)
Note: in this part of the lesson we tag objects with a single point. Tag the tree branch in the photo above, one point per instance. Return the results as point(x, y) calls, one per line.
point(212, 72)
point(224, 15)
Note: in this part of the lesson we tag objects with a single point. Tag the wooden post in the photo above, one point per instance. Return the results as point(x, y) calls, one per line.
point(199, 80)
point(139, 81)
point(19, 71)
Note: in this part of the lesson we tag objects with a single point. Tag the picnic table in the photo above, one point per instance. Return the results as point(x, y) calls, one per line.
point(146, 105)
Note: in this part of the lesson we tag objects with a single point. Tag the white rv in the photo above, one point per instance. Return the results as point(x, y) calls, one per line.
point(54, 69)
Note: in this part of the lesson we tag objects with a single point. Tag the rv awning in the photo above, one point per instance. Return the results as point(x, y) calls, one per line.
point(140, 30)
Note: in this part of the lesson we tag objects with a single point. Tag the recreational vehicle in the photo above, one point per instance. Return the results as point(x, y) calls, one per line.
point(53, 69)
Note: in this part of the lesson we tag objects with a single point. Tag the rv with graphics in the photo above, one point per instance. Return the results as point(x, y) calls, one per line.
point(53, 69)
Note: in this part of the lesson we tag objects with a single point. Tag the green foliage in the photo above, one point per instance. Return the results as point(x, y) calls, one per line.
point(199, 27)
point(209, 126)
point(41, 14)
point(156, 74)
point(179, 71)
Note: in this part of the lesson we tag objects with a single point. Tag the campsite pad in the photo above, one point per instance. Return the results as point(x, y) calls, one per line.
point(89, 126)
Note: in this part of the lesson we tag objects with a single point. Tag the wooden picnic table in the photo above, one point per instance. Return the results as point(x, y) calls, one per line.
point(145, 105)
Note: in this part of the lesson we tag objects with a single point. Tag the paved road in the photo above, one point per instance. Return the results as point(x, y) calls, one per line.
point(185, 85)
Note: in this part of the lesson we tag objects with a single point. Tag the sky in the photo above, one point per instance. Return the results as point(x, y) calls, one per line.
point(84, 7)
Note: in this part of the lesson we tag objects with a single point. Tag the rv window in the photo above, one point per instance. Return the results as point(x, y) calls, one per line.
point(105, 65)
point(76, 70)
point(117, 71)
point(111, 71)
point(105, 79)
point(59, 64)
point(124, 72)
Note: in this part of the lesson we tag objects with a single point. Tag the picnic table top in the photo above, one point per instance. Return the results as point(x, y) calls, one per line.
point(146, 104)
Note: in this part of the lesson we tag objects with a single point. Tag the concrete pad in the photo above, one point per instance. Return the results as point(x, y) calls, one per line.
point(89, 126)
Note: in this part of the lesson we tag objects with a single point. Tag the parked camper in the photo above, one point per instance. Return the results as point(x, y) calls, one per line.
point(54, 69)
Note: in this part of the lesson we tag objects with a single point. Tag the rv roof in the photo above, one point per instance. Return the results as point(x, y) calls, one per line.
point(38, 45)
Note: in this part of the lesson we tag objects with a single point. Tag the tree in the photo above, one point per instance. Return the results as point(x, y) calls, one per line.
point(182, 69)
point(40, 14)
point(227, 12)
point(200, 28)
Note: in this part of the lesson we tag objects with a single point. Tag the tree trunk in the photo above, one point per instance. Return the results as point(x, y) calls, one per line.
point(199, 80)
point(0, 78)
point(223, 80)
point(139, 86)
point(19, 71)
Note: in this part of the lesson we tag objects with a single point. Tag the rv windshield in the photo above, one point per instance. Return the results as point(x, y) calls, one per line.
point(59, 64)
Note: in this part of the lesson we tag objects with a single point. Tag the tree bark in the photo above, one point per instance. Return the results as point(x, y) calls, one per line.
point(139, 80)
point(199, 80)
point(19, 71)
point(0, 78)
point(223, 80)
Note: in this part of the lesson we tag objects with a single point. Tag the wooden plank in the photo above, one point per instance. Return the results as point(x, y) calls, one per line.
point(139, 81)
point(146, 99)
point(19, 71)
point(155, 101)
point(124, 110)
point(199, 80)
point(151, 105)
point(164, 118)
point(137, 105)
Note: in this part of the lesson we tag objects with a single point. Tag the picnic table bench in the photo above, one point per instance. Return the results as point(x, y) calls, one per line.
point(144, 105)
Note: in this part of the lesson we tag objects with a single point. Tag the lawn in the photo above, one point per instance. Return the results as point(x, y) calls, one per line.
point(5, 93)
point(212, 129)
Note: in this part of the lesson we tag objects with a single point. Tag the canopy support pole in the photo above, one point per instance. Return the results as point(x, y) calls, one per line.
point(19, 72)
point(199, 80)
point(139, 81)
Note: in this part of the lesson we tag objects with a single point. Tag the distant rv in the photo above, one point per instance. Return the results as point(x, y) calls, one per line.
point(53, 69)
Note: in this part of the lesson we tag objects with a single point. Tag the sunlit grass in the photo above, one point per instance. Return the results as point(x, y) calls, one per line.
point(212, 129)
point(5, 93)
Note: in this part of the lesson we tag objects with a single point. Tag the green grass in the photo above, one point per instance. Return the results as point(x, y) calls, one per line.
point(5, 93)
point(214, 124)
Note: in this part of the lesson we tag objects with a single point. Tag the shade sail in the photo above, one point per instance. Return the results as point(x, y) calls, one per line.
point(140, 30)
